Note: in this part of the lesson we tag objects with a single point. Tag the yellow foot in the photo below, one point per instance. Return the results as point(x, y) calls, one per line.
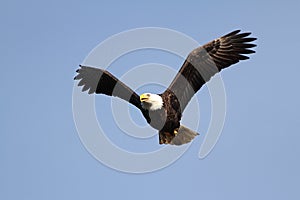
point(176, 131)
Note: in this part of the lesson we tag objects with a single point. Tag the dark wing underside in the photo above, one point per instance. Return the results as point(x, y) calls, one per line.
point(204, 62)
point(100, 81)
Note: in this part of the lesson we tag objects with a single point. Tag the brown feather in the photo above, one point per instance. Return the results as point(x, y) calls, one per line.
point(100, 81)
point(204, 62)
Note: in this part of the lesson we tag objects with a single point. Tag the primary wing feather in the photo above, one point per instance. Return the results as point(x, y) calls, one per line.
point(100, 81)
point(204, 62)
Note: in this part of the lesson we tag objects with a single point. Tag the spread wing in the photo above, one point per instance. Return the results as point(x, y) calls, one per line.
point(204, 62)
point(100, 81)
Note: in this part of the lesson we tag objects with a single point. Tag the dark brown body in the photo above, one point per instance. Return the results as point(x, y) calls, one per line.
point(167, 119)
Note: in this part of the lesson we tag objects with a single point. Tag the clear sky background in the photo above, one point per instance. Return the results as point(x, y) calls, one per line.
point(41, 156)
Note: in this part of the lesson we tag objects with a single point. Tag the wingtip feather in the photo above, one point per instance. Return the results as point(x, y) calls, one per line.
point(232, 33)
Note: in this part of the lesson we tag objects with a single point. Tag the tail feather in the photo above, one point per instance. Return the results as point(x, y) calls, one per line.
point(184, 135)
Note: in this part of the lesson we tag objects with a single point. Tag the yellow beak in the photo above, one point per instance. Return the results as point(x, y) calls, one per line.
point(144, 97)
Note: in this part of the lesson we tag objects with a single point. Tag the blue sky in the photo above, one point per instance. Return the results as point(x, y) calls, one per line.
point(42, 157)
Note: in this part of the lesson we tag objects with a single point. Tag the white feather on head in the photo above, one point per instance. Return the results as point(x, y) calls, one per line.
point(151, 101)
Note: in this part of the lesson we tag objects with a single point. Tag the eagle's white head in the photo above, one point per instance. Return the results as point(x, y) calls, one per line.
point(151, 101)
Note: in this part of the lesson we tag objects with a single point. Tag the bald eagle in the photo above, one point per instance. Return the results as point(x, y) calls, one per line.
point(164, 111)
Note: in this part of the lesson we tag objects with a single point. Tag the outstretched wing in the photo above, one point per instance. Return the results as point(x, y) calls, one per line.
point(204, 62)
point(100, 81)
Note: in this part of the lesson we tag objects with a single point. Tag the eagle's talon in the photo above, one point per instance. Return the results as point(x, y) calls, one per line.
point(175, 131)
